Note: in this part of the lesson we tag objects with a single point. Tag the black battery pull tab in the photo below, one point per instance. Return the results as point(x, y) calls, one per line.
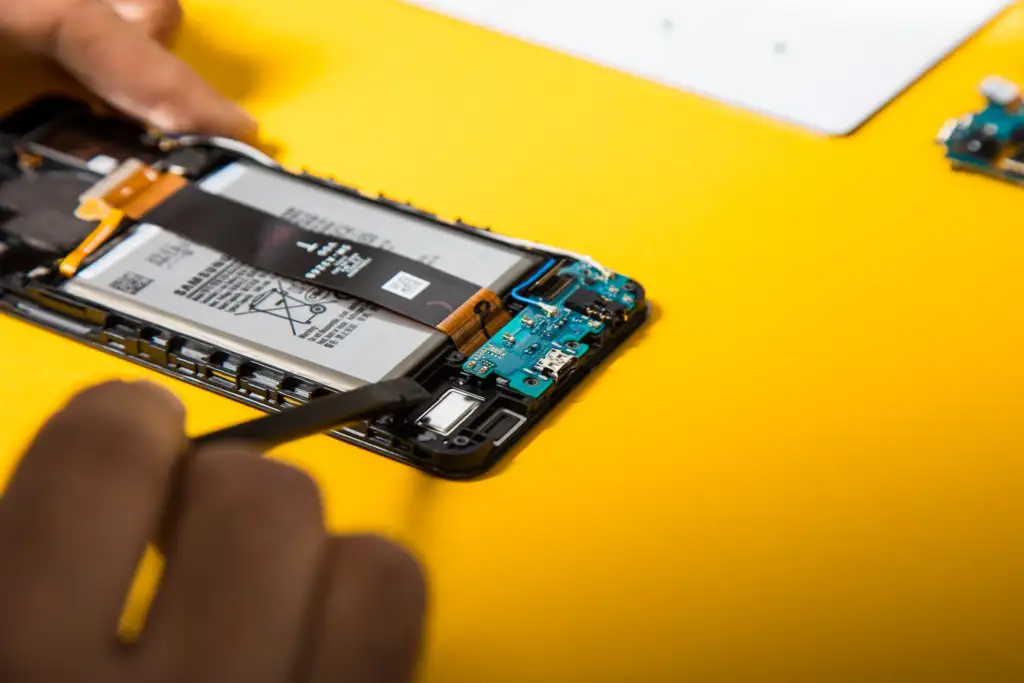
point(399, 284)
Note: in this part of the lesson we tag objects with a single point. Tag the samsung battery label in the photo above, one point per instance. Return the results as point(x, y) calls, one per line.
point(229, 286)
point(175, 283)
point(403, 285)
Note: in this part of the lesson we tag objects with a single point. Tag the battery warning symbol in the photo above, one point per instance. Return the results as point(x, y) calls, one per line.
point(279, 303)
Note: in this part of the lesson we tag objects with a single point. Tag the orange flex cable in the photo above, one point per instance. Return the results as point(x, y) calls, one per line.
point(138, 204)
point(135, 188)
point(103, 232)
point(474, 321)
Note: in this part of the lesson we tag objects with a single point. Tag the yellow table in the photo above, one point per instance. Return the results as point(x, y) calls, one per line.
point(807, 469)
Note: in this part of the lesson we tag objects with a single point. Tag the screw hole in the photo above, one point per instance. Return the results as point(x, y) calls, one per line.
point(460, 441)
point(531, 381)
point(572, 345)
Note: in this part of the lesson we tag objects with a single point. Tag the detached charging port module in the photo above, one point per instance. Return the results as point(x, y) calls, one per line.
point(989, 141)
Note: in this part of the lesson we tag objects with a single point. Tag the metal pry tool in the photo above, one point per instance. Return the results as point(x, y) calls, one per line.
point(322, 414)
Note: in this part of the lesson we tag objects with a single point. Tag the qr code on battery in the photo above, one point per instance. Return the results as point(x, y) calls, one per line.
point(131, 283)
point(405, 285)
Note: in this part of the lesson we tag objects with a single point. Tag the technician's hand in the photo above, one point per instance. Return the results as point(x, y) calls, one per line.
point(114, 47)
point(254, 589)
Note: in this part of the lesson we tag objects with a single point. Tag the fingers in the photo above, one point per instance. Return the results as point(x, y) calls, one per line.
point(253, 586)
point(372, 614)
point(159, 19)
point(126, 66)
point(77, 514)
point(241, 575)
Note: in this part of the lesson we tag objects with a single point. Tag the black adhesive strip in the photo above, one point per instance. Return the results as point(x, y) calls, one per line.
point(392, 281)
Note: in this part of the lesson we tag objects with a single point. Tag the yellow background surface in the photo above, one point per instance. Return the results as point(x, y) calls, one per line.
point(807, 469)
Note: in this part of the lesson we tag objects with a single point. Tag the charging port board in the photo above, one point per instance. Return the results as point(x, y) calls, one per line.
point(990, 141)
point(544, 342)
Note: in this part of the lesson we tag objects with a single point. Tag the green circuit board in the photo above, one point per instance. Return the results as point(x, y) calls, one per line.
point(542, 342)
point(989, 141)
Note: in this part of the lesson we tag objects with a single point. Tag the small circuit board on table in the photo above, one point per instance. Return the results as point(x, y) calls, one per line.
point(990, 141)
point(565, 302)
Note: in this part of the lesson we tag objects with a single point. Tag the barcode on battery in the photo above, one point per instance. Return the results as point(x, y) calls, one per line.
point(169, 254)
point(131, 283)
point(405, 285)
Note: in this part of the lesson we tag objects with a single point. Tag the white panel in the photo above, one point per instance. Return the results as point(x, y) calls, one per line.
point(825, 64)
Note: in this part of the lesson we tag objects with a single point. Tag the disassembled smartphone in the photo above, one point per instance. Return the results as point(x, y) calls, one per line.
point(202, 258)
point(990, 141)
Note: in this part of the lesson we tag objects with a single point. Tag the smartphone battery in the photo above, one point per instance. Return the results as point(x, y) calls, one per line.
point(333, 339)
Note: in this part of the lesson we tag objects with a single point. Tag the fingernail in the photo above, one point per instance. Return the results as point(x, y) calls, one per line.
point(162, 118)
point(132, 12)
